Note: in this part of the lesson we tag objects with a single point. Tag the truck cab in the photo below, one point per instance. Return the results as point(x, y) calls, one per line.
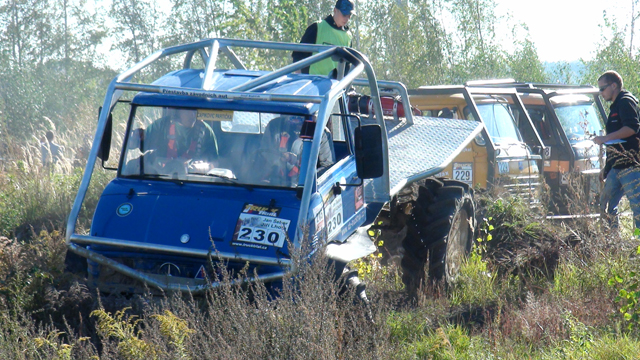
point(507, 154)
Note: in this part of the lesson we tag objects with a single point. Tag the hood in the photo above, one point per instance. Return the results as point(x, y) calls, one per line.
point(198, 216)
point(516, 149)
point(512, 160)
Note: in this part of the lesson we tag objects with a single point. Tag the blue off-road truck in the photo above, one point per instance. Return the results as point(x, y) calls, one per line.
point(245, 166)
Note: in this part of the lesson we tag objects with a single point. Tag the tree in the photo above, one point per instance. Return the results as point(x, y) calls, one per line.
point(404, 41)
point(135, 31)
point(476, 55)
point(613, 54)
point(193, 20)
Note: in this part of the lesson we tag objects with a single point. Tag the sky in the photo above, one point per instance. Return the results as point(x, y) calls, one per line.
point(565, 30)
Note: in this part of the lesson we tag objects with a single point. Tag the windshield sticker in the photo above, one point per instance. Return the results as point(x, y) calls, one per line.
point(124, 209)
point(259, 227)
point(215, 115)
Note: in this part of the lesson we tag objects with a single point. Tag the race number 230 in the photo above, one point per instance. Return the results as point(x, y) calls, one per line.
point(262, 236)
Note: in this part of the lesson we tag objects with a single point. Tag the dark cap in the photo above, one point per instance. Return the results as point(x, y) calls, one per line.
point(346, 7)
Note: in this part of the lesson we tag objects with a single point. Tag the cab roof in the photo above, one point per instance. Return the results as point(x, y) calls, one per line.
point(224, 80)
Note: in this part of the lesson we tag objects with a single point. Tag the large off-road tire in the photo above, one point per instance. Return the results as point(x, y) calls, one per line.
point(440, 232)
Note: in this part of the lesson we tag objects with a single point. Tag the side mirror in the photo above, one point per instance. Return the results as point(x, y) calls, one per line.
point(369, 158)
point(105, 145)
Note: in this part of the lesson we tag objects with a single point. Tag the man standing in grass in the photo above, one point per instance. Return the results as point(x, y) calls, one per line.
point(621, 172)
point(333, 30)
point(51, 152)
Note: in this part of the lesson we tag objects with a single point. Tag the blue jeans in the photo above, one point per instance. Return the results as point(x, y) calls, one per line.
point(621, 182)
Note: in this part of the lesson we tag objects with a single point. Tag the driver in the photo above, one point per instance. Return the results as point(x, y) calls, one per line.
point(182, 137)
point(283, 134)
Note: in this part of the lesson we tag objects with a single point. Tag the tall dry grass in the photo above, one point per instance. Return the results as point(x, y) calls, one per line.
point(538, 289)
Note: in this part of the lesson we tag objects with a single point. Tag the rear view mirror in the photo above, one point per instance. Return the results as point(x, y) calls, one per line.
point(369, 158)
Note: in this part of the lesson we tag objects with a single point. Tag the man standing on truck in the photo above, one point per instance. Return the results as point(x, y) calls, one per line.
point(333, 30)
point(622, 169)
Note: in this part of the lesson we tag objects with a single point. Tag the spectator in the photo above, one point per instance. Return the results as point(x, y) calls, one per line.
point(621, 172)
point(51, 152)
point(333, 30)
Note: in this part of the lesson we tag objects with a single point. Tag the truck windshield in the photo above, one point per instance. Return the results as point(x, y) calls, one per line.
point(500, 123)
point(579, 121)
point(222, 146)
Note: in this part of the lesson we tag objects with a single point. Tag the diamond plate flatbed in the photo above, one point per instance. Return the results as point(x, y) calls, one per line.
point(426, 147)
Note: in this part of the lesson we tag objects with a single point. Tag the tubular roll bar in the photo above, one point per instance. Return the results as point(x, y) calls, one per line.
point(209, 50)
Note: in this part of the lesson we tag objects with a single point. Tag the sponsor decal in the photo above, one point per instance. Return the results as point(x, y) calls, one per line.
point(124, 209)
point(547, 163)
point(359, 196)
point(254, 246)
point(261, 210)
point(352, 223)
point(214, 95)
point(214, 115)
point(259, 227)
point(467, 149)
point(564, 178)
point(318, 216)
point(334, 215)
point(442, 174)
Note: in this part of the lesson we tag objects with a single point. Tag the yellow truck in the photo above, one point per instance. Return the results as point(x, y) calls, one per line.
point(509, 153)
point(566, 117)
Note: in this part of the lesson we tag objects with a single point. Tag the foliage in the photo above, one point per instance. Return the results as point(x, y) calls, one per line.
point(627, 282)
point(176, 330)
point(125, 329)
point(62, 351)
point(613, 54)
point(475, 285)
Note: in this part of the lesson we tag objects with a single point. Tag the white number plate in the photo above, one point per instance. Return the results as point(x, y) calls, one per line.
point(262, 230)
point(463, 172)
